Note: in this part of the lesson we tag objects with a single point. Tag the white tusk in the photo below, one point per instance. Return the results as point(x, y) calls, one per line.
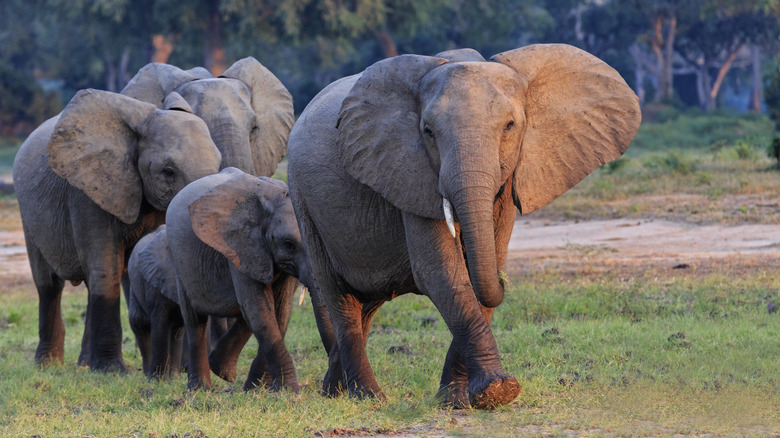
point(448, 216)
point(303, 294)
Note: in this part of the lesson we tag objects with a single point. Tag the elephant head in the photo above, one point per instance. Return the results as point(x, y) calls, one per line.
point(247, 109)
point(119, 151)
point(453, 129)
point(250, 220)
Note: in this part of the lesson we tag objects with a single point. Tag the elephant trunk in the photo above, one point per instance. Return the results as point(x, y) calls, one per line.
point(233, 143)
point(472, 195)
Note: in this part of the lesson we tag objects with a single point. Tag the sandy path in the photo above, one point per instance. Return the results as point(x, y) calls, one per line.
point(538, 242)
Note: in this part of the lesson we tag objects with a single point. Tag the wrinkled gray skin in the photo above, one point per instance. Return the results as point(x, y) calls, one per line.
point(238, 253)
point(373, 157)
point(248, 111)
point(153, 307)
point(90, 182)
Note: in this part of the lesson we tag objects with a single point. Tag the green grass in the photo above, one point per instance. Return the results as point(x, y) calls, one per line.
point(601, 356)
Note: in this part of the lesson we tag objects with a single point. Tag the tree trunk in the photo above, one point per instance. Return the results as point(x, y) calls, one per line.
point(703, 85)
point(758, 86)
point(386, 43)
point(663, 46)
point(721, 75)
point(163, 47)
point(214, 56)
point(124, 75)
point(639, 73)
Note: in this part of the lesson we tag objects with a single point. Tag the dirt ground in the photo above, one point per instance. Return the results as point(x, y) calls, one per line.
point(614, 245)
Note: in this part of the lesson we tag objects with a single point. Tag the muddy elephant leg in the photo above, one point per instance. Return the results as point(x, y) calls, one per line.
point(333, 384)
point(51, 330)
point(224, 357)
point(440, 272)
point(454, 384)
point(176, 343)
point(256, 301)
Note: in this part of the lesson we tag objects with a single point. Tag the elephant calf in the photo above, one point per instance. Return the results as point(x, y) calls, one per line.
point(153, 306)
point(237, 253)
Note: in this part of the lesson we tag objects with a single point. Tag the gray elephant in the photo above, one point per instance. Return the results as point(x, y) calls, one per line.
point(237, 253)
point(405, 178)
point(248, 111)
point(90, 182)
point(152, 304)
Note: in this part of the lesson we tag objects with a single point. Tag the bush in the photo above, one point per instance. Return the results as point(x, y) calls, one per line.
point(24, 105)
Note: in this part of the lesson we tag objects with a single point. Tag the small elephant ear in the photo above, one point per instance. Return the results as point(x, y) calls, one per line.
point(175, 101)
point(379, 135)
point(93, 147)
point(580, 114)
point(273, 106)
point(154, 81)
point(200, 73)
point(228, 218)
point(461, 55)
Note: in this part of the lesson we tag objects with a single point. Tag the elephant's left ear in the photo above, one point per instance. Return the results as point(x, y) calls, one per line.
point(379, 136)
point(273, 105)
point(580, 114)
point(155, 81)
point(228, 218)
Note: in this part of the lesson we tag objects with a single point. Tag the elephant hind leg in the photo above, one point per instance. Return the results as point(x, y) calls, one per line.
point(51, 330)
point(141, 327)
point(223, 359)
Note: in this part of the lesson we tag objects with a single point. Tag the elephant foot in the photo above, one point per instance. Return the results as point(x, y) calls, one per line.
point(271, 384)
point(499, 392)
point(361, 392)
point(46, 356)
point(333, 384)
point(454, 395)
point(108, 365)
point(198, 384)
point(226, 370)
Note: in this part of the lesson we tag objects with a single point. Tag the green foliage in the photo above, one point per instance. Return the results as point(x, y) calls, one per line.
point(24, 105)
point(673, 161)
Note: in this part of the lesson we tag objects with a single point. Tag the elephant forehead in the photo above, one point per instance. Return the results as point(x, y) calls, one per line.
point(219, 92)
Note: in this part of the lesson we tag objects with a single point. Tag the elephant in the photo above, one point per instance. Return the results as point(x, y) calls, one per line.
point(248, 111)
point(236, 252)
point(90, 182)
point(152, 304)
point(405, 178)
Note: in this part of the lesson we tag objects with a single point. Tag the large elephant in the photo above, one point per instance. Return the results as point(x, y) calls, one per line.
point(90, 182)
point(248, 111)
point(405, 178)
point(237, 252)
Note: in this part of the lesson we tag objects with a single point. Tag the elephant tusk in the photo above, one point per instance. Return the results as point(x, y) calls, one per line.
point(303, 294)
point(448, 216)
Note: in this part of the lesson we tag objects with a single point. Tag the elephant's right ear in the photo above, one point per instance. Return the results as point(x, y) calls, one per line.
point(155, 81)
point(227, 218)
point(379, 135)
point(93, 148)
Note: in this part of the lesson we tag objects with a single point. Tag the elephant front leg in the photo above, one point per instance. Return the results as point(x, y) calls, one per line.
point(440, 272)
point(454, 384)
point(256, 301)
point(51, 330)
point(334, 382)
point(224, 357)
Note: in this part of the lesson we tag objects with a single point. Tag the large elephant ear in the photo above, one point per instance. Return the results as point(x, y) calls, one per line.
point(580, 114)
point(273, 105)
point(379, 136)
point(93, 147)
point(228, 218)
point(155, 81)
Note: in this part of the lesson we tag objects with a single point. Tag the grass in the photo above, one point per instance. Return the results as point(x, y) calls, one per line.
point(595, 355)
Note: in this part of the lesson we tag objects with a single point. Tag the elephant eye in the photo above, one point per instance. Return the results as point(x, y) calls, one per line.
point(428, 132)
point(510, 124)
point(168, 173)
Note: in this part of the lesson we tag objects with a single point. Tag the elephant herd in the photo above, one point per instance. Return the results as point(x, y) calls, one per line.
point(404, 178)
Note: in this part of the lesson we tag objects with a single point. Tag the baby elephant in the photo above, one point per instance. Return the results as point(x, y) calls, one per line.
point(153, 307)
point(237, 253)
